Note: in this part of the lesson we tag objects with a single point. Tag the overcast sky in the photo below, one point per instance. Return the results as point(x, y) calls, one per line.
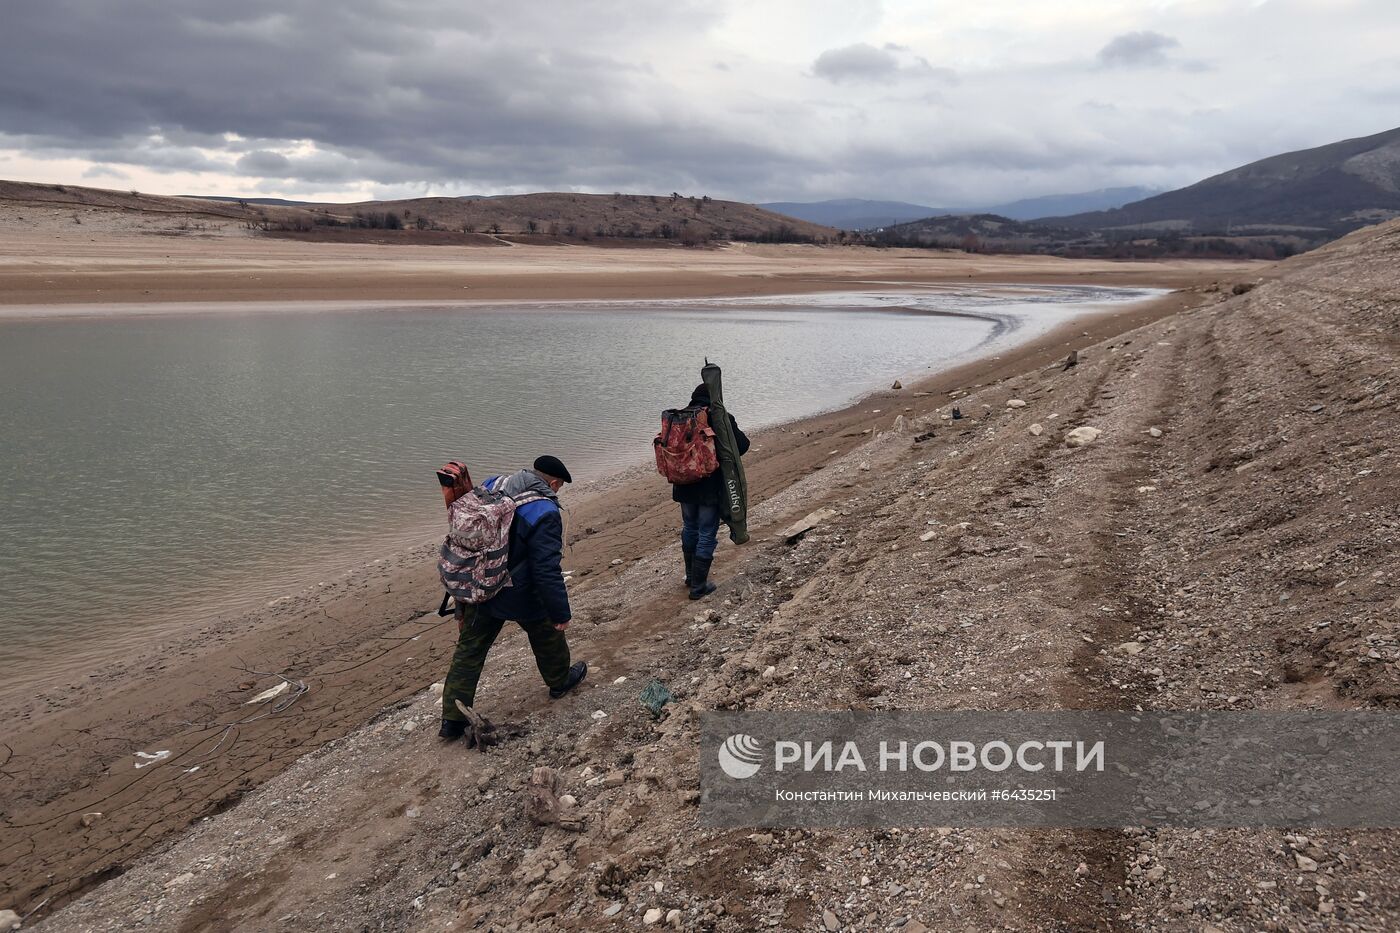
point(945, 103)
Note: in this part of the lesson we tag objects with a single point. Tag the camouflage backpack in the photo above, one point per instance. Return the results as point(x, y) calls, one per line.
point(685, 448)
point(472, 563)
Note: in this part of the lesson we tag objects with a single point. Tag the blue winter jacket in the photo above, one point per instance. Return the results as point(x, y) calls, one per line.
point(537, 592)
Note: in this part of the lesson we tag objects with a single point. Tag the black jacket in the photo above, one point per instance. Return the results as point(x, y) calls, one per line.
point(710, 490)
point(537, 590)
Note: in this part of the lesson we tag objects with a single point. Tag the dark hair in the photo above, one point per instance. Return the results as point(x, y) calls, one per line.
point(701, 394)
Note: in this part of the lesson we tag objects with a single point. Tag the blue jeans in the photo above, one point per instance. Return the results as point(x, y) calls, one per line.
point(699, 528)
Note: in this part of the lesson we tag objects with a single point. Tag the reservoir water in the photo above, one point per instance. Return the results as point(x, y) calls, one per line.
point(157, 468)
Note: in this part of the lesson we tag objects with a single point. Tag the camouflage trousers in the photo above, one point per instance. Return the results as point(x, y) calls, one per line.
point(476, 632)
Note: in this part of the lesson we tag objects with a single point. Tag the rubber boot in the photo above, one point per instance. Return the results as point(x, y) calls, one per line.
point(700, 585)
point(576, 675)
point(452, 729)
point(689, 563)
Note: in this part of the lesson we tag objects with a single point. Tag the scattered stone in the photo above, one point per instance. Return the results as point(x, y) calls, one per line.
point(616, 561)
point(1073, 358)
point(88, 820)
point(1081, 870)
point(620, 680)
point(1036, 430)
point(1154, 432)
point(410, 726)
point(178, 880)
point(1080, 437)
point(613, 910)
point(673, 917)
point(652, 916)
point(897, 385)
point(1304, 863)
point(1131, 647)
point(830, 921)
point(9, 920)
point(797, 529)
point(599, 714)
point(900, 425)
point(928, 536)
point(436, 689)
point(1015, 403)
point(864, 466)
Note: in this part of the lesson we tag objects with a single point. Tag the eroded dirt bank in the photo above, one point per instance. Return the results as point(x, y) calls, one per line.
point(1249, 550)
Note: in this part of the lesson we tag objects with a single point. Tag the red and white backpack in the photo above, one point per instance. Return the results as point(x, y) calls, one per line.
point(685, 447)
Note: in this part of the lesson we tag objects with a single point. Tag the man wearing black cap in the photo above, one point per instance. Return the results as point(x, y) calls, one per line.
point(536, 598)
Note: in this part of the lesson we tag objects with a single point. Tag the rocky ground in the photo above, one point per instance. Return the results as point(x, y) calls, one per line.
point(1228, 541)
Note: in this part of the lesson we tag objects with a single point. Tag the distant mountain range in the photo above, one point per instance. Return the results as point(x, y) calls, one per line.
point(861, 214)
point(1319, 193)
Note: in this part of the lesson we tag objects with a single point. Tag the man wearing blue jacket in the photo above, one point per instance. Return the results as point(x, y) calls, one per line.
point(536, 598)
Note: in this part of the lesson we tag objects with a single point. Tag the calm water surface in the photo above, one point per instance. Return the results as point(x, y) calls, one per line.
point(157, 470)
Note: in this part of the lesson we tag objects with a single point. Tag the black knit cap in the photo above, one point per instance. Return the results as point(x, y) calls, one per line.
point(553, 466)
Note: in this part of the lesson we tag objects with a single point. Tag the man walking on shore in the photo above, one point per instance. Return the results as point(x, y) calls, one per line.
point(702, 509)
point(536, 598)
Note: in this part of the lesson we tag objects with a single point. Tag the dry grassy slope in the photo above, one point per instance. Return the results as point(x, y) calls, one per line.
point(78, 197)
point(1250, 550)
point(587, 212)
point(618, 215)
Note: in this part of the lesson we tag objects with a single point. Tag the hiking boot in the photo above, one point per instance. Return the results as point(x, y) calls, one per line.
point(576, 675)
point(700, 585)
point(452, 730)
point(689, 564)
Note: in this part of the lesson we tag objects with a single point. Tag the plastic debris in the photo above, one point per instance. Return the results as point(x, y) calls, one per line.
point(151, 759)
point(269, 694)
point(655, 696)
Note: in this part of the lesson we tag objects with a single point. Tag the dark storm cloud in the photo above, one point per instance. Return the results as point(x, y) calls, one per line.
point(334, 97)
point(390, 92)
point(859, 62)
point(865, 62)
point(262, 162)
point(1137, 48)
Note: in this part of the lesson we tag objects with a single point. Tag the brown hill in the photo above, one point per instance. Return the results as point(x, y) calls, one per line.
point(664, 217)
point(560, 215)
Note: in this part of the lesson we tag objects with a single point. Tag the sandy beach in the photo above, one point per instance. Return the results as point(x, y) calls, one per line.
point(45, 260)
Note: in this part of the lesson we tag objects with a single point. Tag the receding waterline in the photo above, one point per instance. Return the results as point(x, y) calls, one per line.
point(158, 465)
